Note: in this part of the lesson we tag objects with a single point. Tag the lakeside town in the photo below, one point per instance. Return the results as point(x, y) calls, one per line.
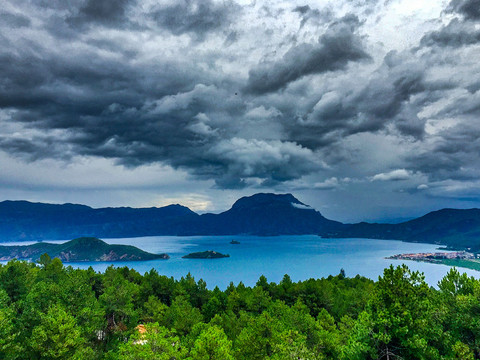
point(457, 255)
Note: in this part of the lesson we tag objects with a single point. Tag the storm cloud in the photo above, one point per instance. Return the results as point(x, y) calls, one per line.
point(468, 8)
point(14, 20)
point(333, 51)
point(105, 12)
point(268, 96)
point(197, 17)
point(457, 33)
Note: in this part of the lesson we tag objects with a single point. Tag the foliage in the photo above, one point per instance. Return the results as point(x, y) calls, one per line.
point(157, 343)
point(212, 344)
point(48, 311)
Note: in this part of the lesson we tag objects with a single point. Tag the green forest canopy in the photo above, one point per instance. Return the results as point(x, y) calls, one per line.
point(49, 311)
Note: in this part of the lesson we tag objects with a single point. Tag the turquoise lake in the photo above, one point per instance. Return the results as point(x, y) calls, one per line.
point(301, 257)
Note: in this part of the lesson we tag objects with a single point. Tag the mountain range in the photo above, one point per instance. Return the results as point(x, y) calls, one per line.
point(454, 228)
point(261, 214)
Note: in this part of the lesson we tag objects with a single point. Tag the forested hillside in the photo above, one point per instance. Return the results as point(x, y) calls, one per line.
point(81, 249)
point(455, 228)
point(48, 311)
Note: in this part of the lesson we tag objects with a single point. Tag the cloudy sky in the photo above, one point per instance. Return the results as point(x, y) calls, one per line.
point(364, 109)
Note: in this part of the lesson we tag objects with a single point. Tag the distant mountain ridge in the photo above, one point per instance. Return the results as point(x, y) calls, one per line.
point(260, 214)
point(23, 220)
point(263, 214)
point(454, 228)
point(266, 214)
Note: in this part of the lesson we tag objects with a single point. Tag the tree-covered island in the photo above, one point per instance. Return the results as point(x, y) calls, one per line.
point(209, 254)
point(77, 250)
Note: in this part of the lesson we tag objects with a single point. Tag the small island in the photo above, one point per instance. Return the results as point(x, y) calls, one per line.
point(209, 254)
point(234, 242)
point(78, 250)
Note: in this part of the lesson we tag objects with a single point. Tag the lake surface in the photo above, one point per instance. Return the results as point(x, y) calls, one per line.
point(301, 257)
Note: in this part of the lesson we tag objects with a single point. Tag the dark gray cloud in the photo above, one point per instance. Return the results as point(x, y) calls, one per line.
point(456, 34)
point(103, 105)
point(313, 15)
point(102, 100)
point(105, 11)
point(385, 94)
point(112, 13)
point(196, 17)
point(36, 147)
point(385, 99)
point(82, 81)
point(452, 152)
point(450, 157)
point(231, 38)
point(113, 112)
point(470, 9)
point(409, 124)
point(454, 155)
point(305, 9)
point(14, 20)
point(72, 5)
point(339, 46)
point(64, 19)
